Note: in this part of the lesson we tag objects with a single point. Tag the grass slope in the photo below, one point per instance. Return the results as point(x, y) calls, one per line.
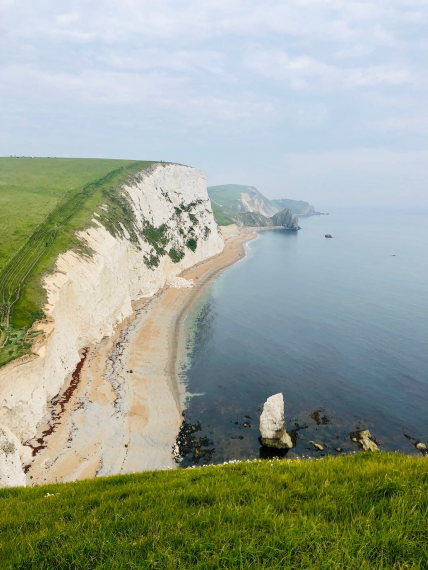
point(43, 202)
point(365, 512)
point(221, 216)
point(228, 198)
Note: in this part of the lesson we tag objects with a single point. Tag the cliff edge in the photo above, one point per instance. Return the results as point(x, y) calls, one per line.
point(169, 228)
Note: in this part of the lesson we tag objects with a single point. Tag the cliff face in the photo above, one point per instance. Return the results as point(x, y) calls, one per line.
point(171, 228)
point(284, 218)
point(254, 201)
point(236, 199)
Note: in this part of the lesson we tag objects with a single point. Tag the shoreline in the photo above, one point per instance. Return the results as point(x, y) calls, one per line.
point(244, 236)
point(126, 411)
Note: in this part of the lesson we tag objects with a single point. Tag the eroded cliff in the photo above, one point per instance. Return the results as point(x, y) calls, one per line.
point(170, 227)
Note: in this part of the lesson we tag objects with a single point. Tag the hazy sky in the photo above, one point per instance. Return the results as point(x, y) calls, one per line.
point(325, 100)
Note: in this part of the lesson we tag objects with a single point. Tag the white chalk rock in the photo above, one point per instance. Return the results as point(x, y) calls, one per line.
point(272, 424)
point(365, 439)
point(11, 470)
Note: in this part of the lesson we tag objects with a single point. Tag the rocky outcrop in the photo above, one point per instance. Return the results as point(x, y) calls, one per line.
point(319, 446)
point(272, 424)
point(365, 439)
point(11, 472)
point(254, 201)
point(238, 198)
point(89, 294)
point(284, 219)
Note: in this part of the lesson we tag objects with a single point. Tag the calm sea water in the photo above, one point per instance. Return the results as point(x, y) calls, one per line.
point(340, 326)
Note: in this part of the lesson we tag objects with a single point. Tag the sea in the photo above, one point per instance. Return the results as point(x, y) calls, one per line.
point(338, 325)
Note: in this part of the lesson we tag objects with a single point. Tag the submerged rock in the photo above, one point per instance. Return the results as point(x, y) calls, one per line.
point(319, 417)
point(272, 424)
point(318, 446)
point(328, 236)
point(364, 439)
point(422, 447)
point(11, 470)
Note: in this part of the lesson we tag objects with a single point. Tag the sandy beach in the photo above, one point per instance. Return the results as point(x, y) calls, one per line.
point(122, 408)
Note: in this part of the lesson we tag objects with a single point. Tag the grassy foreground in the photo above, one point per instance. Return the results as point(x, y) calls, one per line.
point(362, 512)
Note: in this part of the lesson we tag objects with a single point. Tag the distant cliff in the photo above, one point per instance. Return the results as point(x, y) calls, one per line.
point(298, 207)
point(245, 205)
point(284, 219)
point(235, 203)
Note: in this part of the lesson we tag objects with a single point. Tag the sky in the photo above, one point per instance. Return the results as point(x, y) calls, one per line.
point(323, 100)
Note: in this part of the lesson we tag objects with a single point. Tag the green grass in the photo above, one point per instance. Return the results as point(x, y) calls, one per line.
point(228, 196)
point(360, 512)
point(43, 202)
point(220, 215)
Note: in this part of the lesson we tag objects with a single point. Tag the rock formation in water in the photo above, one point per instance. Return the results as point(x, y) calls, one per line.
point(173, 228)
point(422, 447)
point(365, 439)
point(319, 446)
point(272, 424)
point(284, 219)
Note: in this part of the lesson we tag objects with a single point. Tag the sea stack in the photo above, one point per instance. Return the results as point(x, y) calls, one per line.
point(272, 424)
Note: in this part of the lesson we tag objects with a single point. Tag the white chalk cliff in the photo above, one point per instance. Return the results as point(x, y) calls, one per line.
point(88, 295)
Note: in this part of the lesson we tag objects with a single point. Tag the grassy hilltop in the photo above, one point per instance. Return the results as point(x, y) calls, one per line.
point(360, 512)
point(43, 202)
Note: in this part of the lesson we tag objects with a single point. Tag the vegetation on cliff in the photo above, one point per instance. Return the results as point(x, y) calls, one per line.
point(362, 511)
point(43, 202)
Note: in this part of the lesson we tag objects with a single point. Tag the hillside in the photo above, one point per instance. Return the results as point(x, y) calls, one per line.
point(298, 207)
point(43, 202)
point(364, 511)
point(233, 203)
point(236, 198)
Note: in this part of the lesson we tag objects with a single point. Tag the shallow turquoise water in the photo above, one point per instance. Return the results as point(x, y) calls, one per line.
point(339, 324)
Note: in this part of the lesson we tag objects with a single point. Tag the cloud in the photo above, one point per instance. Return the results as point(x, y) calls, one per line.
point(230, 79)
point(306, 72)
point(405, 124)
